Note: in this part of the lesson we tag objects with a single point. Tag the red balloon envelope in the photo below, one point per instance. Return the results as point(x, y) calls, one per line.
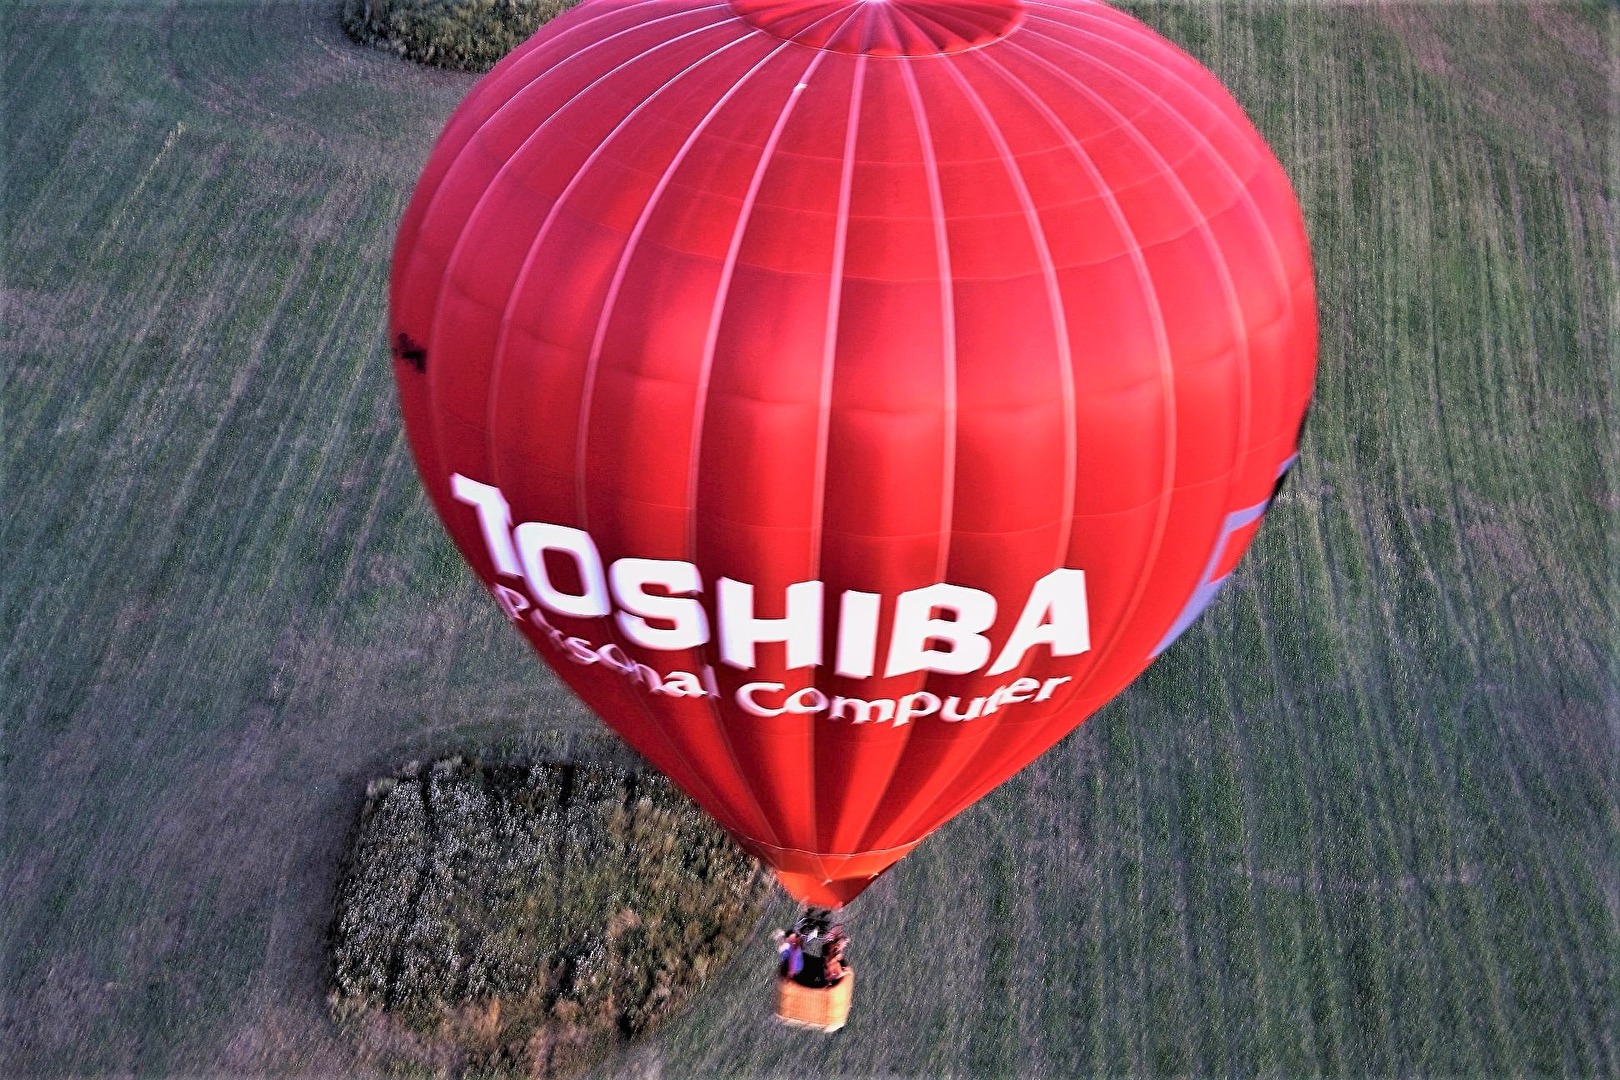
point(848, 398)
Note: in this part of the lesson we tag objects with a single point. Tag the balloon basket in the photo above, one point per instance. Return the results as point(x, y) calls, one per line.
point(817, 1008)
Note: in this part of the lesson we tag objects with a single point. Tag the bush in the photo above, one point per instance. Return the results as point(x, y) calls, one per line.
point(521, 919)
point(464, 35)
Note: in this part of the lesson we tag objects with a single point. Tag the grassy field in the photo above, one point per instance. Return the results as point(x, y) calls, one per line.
point(1362, 819)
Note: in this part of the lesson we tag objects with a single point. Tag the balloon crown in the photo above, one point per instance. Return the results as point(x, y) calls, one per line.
point(885, 27)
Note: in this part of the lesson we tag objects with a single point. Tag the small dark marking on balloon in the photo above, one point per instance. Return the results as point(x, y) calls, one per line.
point(409, 351)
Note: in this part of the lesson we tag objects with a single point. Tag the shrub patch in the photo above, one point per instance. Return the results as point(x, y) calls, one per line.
point(523, 919)
point(463, 35)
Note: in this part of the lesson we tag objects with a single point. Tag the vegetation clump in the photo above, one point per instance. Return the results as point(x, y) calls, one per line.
point(523, 919)
point(464, 35)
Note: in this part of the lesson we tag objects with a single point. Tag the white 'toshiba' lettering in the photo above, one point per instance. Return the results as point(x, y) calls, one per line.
point(656, 604)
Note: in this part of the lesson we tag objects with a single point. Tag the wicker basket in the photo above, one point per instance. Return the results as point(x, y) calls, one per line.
point(819, 1008)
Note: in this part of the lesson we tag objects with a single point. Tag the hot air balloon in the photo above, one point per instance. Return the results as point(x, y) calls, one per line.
point(846, 398)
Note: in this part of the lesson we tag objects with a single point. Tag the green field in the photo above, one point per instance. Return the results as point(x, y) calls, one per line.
point(1361, 819)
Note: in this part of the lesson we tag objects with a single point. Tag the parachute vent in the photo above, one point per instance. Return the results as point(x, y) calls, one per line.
point(885, 27)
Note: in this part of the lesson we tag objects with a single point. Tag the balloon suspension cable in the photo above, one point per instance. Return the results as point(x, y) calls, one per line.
point(818, 919)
